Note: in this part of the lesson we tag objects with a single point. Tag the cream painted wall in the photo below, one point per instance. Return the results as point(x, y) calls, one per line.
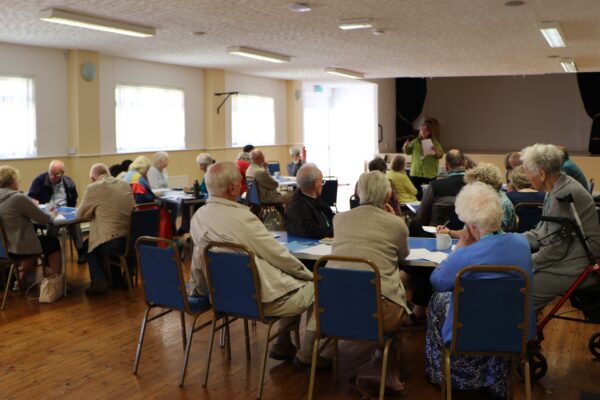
point(504, 113)
point(120, 70)
point(48, 67)
point(386, 95)
point(246, 84)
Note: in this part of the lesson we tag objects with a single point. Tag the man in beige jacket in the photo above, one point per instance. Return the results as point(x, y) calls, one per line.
point(107, 203)
point(287, 289)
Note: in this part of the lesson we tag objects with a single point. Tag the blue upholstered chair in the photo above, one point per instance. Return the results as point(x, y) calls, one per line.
point(348, 306)
point(257, 206)
point(164, 287)
point(529, 215)
point(483, 325)
point(329, 192)
point(273, 166)
point(234, 289)
point(145, 221)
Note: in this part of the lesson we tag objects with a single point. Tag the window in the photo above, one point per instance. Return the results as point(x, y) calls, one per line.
point(149, 118)
point(252, 120)
point(17, 117)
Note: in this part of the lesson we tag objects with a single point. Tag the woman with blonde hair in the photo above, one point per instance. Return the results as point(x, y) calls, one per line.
point(401, 183)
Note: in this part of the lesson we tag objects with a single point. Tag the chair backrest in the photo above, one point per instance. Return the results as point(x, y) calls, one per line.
point(529, 215)
point(145, 221)
point(252, 193)
point(233, 282)
point(3, 246)
point(354, 201)
point(491, 310)
point(160, 269)
point(348, 301)
point(330, 189)
point(273, 166)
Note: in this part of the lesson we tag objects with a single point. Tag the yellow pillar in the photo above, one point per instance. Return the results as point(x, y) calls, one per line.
point(214, 124)
point(295, 112)
point(84, 102)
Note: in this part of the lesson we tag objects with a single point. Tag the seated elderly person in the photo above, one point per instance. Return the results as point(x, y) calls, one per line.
point(16, 213)
point(266, 184)
point(296, 163)
point(287, 289)
point(557, 260)
point(204, 160)
point(137, 176)
point(157, 174)
point(307, 215)
point(511, 161)
point(378, 164)
point(401, 183)
point(484, 243)
point(522, 190)
point(373, 231)
point(243, 162)
point(57, 188)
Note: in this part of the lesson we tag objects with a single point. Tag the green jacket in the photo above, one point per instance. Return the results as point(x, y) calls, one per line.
point(423, 167)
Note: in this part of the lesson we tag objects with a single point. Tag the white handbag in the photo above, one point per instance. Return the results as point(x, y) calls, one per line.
point(51, 288)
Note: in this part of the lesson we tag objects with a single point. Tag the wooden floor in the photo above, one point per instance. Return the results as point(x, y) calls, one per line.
point(83, 348)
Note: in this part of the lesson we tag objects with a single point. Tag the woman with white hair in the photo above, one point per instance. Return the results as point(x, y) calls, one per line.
point(137, 176)
point(373, 231)
point(558, 260)
point(484, 243)
point(204, 160)
point(157, 174)
point(296, 163)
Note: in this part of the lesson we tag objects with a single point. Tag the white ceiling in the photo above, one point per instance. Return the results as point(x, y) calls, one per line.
point(424, 38)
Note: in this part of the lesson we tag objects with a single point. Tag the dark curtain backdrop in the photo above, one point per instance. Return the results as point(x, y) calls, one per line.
point(410, 97)
point(589, 87)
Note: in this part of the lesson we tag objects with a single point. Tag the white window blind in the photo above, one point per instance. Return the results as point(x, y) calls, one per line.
point(252, 120)
point(17, 117)
point(149, 118)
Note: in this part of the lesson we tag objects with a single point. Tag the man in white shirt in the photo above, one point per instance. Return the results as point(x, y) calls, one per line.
point(287, 288)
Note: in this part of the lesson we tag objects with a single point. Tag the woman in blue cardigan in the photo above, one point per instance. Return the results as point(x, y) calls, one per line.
point(482, 243)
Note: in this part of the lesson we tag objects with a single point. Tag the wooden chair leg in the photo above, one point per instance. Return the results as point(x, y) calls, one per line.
point(6, 287)
point(313, 368)
point(384, 368)
point(446, 376)
point(227, 339)
point(264, 360)
point(247, 339)
point(138, 351)
point(187, 350)
point(527, 378)
point(210, 346)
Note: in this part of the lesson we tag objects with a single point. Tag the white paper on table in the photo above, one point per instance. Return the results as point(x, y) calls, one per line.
point(318, 250)
point(430, 229)
point(428, 149)
point(436, 256)
point(59, 217)
point(418, 254)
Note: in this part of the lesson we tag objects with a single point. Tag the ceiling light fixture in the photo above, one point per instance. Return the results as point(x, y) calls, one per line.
point(361, 23)
point(299, 7)
point(346, 73)
point(97, 23)
point(553, 33)
point(258, 54)
point(568, 64)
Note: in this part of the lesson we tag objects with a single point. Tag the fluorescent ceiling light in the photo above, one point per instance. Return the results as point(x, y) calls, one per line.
point(299, 7)
point(568, 64)
point(346, 73)
point(100, 24)
point(362, 23)
point(258, 54)
point(553, 33)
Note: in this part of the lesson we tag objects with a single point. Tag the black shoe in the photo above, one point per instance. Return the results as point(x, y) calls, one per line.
point(280, 352)
point(82, 259)
point(97, 287)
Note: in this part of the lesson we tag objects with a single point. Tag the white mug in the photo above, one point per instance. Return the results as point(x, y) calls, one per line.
point(443, 241)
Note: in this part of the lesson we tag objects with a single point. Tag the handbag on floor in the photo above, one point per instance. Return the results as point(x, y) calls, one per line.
point(51, 289)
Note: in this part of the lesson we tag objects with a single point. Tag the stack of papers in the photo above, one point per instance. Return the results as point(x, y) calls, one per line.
point(318, 250)
point(424, 254)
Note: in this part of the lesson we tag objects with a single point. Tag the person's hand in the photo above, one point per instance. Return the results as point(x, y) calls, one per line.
point(442, 229)
point(389, 209)
point(465, 238)
point(438, 153)
point(406, 143)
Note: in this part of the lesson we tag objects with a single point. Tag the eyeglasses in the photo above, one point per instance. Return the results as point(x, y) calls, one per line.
point(57, 174)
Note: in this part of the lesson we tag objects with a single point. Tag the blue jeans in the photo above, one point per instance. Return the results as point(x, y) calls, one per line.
point(96, 257)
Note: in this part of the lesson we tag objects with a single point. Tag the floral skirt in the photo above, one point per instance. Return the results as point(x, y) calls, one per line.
point(468, 372)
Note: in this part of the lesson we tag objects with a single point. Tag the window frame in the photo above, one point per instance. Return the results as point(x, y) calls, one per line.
point(34, 152)
point(273, 140)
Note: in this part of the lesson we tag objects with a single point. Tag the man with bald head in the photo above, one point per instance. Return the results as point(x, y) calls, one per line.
point(307, 215)
point(266, 184)
point(107, 204)
point(57, 188)
point(438, 198)
point(287, 289)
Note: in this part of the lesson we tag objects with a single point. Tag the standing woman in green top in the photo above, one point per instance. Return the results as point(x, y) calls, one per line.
point(423, 167)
